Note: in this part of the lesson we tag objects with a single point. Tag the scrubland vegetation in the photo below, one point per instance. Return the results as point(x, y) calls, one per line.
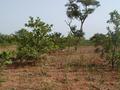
point(36, 58)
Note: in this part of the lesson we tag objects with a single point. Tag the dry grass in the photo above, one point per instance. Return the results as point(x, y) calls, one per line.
point(7, 48)
point(64, 70)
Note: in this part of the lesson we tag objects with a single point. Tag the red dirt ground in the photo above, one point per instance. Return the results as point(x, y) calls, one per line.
point(64, 70)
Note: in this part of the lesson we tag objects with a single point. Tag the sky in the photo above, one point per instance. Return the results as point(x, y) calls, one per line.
point(15, 13)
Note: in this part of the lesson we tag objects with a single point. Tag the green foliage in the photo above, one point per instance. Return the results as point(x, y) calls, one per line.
point(114, 38)
point(98, 39)
point(80, 10)
point(34, 42)
point(72, 41)
point(111, 41)
point(5, 58)
point(7, 39)
point(59, 40)
point(85, 42)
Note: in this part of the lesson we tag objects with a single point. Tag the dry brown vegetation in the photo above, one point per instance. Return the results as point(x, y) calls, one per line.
point(7, 48)
point(64, 70)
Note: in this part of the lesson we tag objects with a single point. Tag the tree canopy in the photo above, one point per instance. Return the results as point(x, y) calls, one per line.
point(79, 10)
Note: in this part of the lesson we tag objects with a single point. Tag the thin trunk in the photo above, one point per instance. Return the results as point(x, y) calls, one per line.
point(112, 64)
point(81, 27)
point(113, 58)
point(77, 43)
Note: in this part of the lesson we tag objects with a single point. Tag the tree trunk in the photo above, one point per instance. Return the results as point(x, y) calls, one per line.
point(112, 64)
point(77, 43)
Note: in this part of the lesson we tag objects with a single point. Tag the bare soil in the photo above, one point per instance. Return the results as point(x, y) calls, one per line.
point(64, 70)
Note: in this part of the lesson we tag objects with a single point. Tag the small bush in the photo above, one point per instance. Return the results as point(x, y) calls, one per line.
point(5, 58)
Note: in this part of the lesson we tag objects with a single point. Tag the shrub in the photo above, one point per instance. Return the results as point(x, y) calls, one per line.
point(5, 58)
point(110, 43)
point(34, 42)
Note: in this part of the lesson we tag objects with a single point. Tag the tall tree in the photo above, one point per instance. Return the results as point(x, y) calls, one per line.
point(79, 10)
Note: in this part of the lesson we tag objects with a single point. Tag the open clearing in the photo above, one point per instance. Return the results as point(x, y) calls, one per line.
point(64, 70)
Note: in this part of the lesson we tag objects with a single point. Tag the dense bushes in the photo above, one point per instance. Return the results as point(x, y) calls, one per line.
point(36, 38)
point(34, 42)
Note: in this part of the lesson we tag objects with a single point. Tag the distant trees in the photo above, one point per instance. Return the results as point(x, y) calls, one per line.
point(59, 40)
point(98, 39)
point(79, 10)
point(7, 39)
point(72, 40)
